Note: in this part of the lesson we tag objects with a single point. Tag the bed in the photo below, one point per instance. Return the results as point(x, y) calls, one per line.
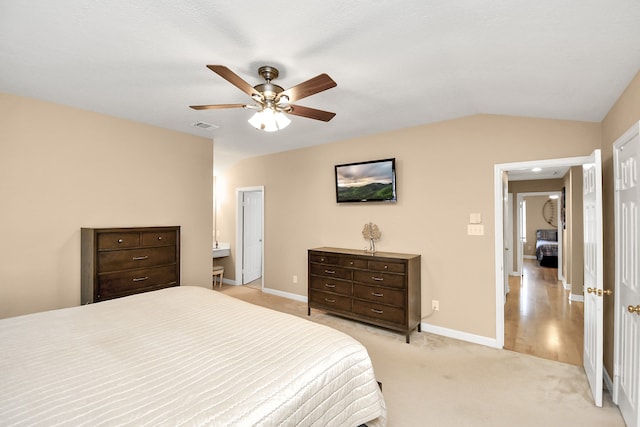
point(185, 356)
point(547, 247)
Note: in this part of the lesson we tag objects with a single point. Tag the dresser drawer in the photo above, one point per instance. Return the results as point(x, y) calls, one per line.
point(353, 262)
point(332, 301)
point(379, 295)
point(135, 258)
point(323, 258)
point(392, 267)
point(331, 285)
point(379, 312)
point(116, 284)
point(331, 271)
point(158, 238)
point(378, 278)
point(118, 240)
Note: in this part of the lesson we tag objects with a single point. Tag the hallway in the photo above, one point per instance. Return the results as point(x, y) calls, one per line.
point(539, 318)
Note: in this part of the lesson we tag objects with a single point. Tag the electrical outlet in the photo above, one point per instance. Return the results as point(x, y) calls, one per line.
point(295, 279)
point(435, 305)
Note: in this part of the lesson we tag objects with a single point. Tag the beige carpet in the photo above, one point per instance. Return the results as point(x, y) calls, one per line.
point(438, 381)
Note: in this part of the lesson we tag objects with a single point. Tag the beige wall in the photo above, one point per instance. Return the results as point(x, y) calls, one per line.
point(62, 169)
point(624, 113)
point(445, 172)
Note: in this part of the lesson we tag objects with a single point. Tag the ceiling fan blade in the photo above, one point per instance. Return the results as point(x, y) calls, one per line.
point(216, 107)
point(310, 87)
point(233, 78)
point(311, 113)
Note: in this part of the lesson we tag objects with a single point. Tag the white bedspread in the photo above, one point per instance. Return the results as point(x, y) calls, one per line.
point(182, 356)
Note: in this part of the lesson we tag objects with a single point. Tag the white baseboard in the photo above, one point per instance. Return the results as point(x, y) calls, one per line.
point(529, 256)
point(576, 298)
point(462, 336)
point(425, 327)
point(566, 285)
point(283, 294)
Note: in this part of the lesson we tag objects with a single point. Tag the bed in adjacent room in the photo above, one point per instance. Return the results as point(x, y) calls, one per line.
point(547, 247)
point(182, 356)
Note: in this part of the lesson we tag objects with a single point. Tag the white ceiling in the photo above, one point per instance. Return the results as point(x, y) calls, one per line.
point(554, 172)
point(397, 63)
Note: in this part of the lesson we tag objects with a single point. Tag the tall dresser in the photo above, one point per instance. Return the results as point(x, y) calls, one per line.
point(116, 262)
point(381, 289)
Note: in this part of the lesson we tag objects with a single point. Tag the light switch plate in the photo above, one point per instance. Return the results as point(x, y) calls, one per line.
point(475, 230)
point(475, 218)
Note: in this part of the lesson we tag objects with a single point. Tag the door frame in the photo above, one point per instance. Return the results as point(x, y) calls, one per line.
point(240, 230)
point(499, 170)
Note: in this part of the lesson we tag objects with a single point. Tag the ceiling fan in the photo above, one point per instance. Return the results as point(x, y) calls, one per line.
point(271, 100)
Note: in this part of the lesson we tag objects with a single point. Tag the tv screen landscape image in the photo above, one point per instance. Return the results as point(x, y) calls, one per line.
point(371, 181)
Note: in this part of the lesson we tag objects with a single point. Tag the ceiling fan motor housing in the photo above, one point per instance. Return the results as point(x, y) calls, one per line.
point(269, 90)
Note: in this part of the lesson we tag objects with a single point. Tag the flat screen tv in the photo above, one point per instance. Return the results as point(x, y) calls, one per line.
point(372, 181)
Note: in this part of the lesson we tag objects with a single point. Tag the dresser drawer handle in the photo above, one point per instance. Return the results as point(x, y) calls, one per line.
point(379, 279)
point(141, 279)
point(329, 300)
point(377, 294)
point(330, 271)
point(159, 237)
point(329, 285)
point(377, 311)
point(120, 240)
point(321, 259)
point(140, 258)
point(386, 267)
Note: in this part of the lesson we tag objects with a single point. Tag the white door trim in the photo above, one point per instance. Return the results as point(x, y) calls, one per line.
point(499, 169)
point(239, 245)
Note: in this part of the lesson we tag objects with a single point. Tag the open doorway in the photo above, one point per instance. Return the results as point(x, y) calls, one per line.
point(513, 285)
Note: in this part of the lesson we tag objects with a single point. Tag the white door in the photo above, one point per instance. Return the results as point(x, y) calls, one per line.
point(507, 257)
point(522, 232)
point(627, 299)
point(252, 236)
point(508, 239)
point(593, 264)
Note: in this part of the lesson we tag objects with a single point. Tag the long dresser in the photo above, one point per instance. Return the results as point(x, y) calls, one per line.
point(381, 289)
point(123, 261)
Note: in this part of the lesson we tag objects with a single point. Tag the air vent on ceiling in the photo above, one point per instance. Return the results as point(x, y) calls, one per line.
point(205, 125)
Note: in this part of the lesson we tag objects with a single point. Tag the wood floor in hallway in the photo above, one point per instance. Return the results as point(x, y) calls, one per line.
point(539, 318)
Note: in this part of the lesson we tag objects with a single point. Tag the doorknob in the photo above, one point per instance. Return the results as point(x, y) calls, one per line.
point(599, 292)
point(633, 309)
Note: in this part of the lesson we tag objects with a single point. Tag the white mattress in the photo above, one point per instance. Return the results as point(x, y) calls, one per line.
point(182, 356)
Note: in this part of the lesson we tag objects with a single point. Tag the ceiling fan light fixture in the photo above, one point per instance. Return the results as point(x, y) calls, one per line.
point(269, 120)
